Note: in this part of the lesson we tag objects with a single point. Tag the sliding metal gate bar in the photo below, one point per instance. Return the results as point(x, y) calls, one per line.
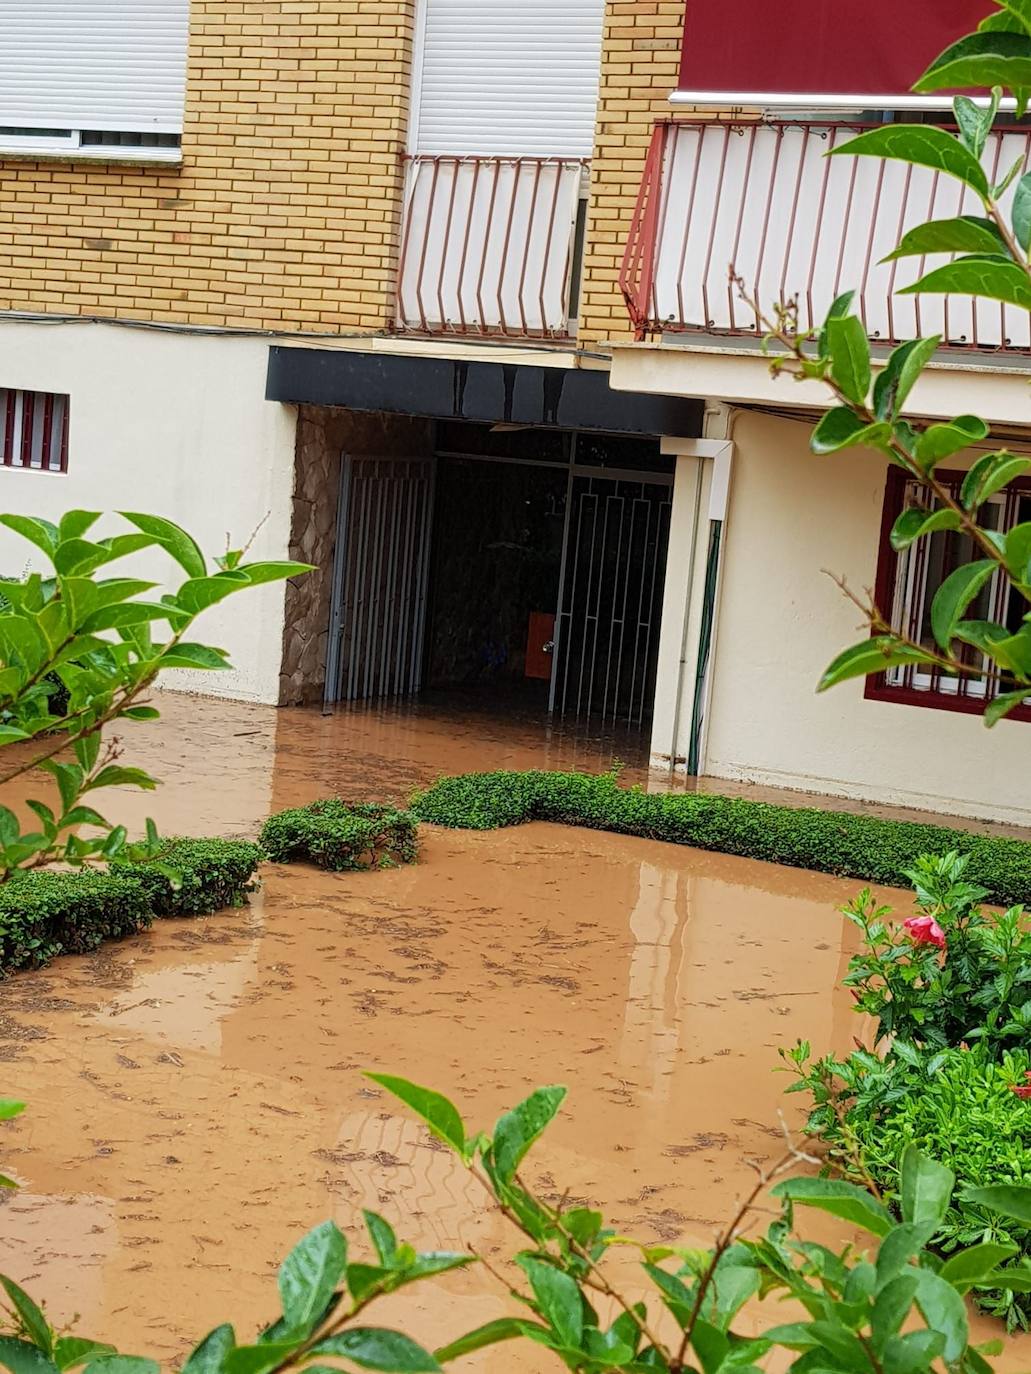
point(380, 587)
point(614, 568)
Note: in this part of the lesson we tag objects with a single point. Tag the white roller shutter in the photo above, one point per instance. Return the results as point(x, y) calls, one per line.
point(93, 64)
point(508, 77)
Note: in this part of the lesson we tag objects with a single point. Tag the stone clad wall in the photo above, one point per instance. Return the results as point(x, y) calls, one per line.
point(323, 436)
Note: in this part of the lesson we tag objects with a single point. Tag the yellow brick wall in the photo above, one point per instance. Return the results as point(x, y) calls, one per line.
point(640, 64)
point(285, 212)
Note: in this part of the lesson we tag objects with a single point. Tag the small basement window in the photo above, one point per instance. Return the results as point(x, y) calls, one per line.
point(34, 430)
point(908, 580)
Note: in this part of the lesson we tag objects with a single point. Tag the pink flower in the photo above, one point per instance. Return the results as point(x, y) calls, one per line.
point(925, 930)
point(1021, 1089)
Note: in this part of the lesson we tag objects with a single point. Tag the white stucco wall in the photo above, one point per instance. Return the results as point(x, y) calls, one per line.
point(174, 425)
point(781, 622)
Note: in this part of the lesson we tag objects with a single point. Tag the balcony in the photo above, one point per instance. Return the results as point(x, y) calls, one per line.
point(793, 222)
point(490, 246)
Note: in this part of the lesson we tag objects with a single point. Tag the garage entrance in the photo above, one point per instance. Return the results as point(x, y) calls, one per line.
point(522, 566)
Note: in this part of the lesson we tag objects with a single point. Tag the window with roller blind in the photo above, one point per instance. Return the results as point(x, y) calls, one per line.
point(495, 78)
point(100, 78)
point(818, 53)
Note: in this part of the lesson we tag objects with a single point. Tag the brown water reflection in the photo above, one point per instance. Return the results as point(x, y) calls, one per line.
point(196, 1093)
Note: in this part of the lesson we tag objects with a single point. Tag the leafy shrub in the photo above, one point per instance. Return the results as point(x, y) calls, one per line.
point(964, 1108)
point(953, 973)
point(197, 877)
point(341, 836)
point(46, 914)
point(852, 846)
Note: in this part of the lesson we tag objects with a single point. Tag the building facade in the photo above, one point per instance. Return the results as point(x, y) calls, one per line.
point(433, 295)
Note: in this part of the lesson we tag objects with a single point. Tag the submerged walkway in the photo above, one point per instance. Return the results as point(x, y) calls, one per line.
point(195, 1093)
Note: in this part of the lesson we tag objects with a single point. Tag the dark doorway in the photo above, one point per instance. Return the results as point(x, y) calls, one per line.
point(496, 562)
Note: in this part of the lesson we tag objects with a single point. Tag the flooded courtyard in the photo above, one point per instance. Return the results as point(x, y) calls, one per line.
point(196, 1098)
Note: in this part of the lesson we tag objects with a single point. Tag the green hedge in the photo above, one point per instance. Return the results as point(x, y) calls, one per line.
point(341, 836)
point(852, 846)
point(46, 914)
point(210, 875)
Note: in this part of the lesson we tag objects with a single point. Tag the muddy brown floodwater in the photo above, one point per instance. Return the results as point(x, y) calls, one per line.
point(196, 1093)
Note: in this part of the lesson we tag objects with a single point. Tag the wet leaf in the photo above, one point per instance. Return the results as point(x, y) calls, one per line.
point(70, 1351)
point(174, 540)
point(208, 1356)
point(518, 1129)
point(372, 1347)
point(35, 1324)
point(984, 59)
point(440, 1115)
point(841, 1199)
point(558, 1299)
point(990, 278)
point(947, 609)
point(873, 655)
point(309, 1275)
point(23, 1358)
point(922, 144)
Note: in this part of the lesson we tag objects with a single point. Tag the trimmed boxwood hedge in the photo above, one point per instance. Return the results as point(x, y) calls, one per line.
point(865, 847)
point(341, 836)
point(211, 875)
point(45, 914)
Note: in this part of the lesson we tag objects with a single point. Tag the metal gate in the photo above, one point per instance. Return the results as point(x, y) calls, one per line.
point(384, 524)
point(610, 597)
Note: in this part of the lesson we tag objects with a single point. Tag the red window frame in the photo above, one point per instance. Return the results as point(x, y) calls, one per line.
point(878, 688)
point(34, 422)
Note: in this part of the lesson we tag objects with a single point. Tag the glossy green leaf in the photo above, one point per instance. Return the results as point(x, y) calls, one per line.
point(926, 1187)
point(9, 1108)
point(943, 440)
point(989, 474)
point(900, 374)
point(175, 541)
point(988, 278)
point(915, 522)
point(944, 1311)
point(492, 1333)
point(37, 1328)
point(971, 1266)
point(42, 533)
point(845, 1200)
point(21, 1357)
point(902, 1244)
point(199, 656)
point(371, 1347)
point(948, 608)
point(440, 1115)
point(309, 1275)
point(518, 1129)
point(74, 523)
point(257, 573)
point(257, 1359)
point(1011, 1200)
point(975, 121)
point(1017, 549)
point(983, 60)
point(201, 592)
point(126, 613)
point(913, 1353)
point(675, 1294)
point(207, 1357)
point(381, 1233)
point(87, 750)
point(922, 144)
point(1014, 1280)
point(870, 656)
point(70, 1351)
point(849, 350)
point(962, 234)
point(558, 1299)
point(123, 1364)
point(1001, 706)
point(710, 1344)
point(841, 428)
point(1021, 212)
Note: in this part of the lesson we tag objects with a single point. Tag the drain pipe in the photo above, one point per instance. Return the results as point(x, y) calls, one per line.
point(717, 444)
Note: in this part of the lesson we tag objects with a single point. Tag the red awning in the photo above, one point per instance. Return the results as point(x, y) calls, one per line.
point(819, 47)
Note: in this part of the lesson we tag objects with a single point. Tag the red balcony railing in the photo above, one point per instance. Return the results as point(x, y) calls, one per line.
point(765, 198)
point(487, 246)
